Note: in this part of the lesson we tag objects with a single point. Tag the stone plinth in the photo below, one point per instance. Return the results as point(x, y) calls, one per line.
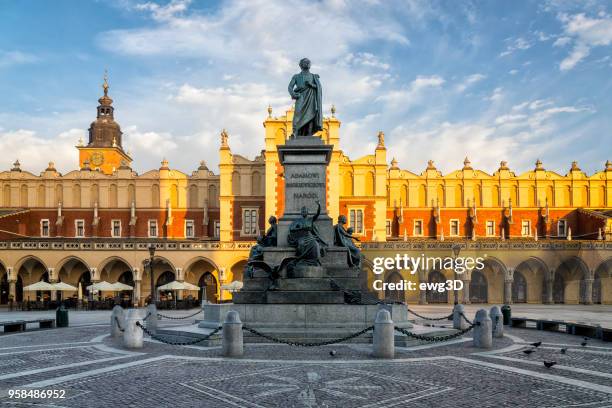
point(323, 284)
point(305, 161)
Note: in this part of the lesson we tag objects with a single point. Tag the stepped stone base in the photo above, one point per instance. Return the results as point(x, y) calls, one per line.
point(306, 323)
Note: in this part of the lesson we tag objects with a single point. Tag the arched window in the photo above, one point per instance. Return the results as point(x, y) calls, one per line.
point(514, 196)
point(478, 288)
point(76, 196)
point(531, 196)
point(347, 184)
point(559, 289)
point(208, 285)
point(40, 196)
point(459, 195)
point(440, 193)
point(567, 197)
point(193, 196)
point(519, 288)
point(404, 195)
point(370, 183)
point(213, 198)
point(422, 193)
point(6, 196)
point(236, 183)
point(256, 183)
point(495, 196)
point(24, 196)
point(95, 195)
point(131, 194)
point(395, 295)
point(113, 196)
point(174, 196)
point(550, 196)
point(433, 296)
point(59, 194)
point(477, 195)
point(155, 196)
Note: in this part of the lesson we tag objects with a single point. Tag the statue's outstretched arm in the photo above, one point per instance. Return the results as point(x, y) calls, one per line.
point(318, 211)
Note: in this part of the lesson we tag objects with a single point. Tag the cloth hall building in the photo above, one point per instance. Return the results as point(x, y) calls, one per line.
point(546, 236)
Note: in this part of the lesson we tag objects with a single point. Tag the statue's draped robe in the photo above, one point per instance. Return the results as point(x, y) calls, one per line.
point(308, 116)
point(304, 237)
point(343, 239)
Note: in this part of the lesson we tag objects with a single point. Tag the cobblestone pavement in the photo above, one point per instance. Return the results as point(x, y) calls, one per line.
point(96, 371)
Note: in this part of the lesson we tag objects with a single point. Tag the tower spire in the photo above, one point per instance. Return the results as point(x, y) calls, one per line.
point(105, 84)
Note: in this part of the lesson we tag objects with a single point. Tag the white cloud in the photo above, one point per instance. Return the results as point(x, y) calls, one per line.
point(469, 81)
point(496, 96)
point(516, 45)
point(585, 33)
point(412, 94)
point(562, 41)
point(8, 58)
point(34, 151)
point(513, 71)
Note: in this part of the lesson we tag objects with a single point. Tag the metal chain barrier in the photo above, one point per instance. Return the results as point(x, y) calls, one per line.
point(147, 316)
point(435, 338)
point(178, 343)
point(304, 344)
point(179, 317)
point(121, 329)
point(466, 319)
point(430, 318)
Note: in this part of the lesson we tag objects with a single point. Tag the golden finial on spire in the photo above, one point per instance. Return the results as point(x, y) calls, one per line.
point(224, 137)
point(333, 111)
point(105, 84)
point(381, 139)
point(270, 111)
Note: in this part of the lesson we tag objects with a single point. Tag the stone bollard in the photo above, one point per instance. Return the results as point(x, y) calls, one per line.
point(482, 331)
point(232, 344)
point(497, 321)
point(459, 322)
point(384, 335)
point(133, 336)
point(117, 321)
point(152, 319)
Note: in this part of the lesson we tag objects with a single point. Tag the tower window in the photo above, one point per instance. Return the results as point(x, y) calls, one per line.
point(454, 228)
point(249, 221)
point(562, 228)
point(189, 229)
point(116, 228)
point(79, 228)
point(526, 228)
point(44, 228)
point(418, 228)
point(490, 228)
point(152, 228)
point(356, 220)
point(217, 229)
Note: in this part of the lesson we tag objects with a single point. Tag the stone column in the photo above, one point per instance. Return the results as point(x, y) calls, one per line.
point(137, 297)
point(549, 291)
point(508, 291)
point(483, 336)
point(497, 320)
point(53, 292)
point(13, 289)
point(459, 322)
point(422, 297)
point(133, 336)
point(588, 291)
point(232, 344)
point(466, 291)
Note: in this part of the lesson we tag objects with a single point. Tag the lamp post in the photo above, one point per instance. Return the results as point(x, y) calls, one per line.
point(456, 250)
point(151, 259)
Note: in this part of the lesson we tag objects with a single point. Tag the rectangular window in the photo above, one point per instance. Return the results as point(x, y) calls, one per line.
point(116, 228)
point(189, 229)
point(356, 221)
point(454, 228)
point(490, 228)
point(418, 228)
point(250, 217)
point(562, 228)
point(526, 228)
point(44, 228)
point(217, 231)
point(152, 228)
point(388, 227)
point(79, 228)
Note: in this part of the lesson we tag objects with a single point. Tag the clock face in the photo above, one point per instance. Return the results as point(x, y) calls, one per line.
point(97, 159)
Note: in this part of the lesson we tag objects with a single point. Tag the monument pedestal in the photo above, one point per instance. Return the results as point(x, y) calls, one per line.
point(305, 160)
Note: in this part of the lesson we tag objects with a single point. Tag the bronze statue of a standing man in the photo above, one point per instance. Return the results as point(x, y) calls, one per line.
point(305, 88)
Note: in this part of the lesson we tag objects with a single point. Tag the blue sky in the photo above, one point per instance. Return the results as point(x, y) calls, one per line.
point(494, 81)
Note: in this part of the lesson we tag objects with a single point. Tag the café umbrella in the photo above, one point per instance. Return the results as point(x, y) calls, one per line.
point(102, 286)
point(63, 287)
point(118, 286)
point(176, 285)
point(38, 286)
